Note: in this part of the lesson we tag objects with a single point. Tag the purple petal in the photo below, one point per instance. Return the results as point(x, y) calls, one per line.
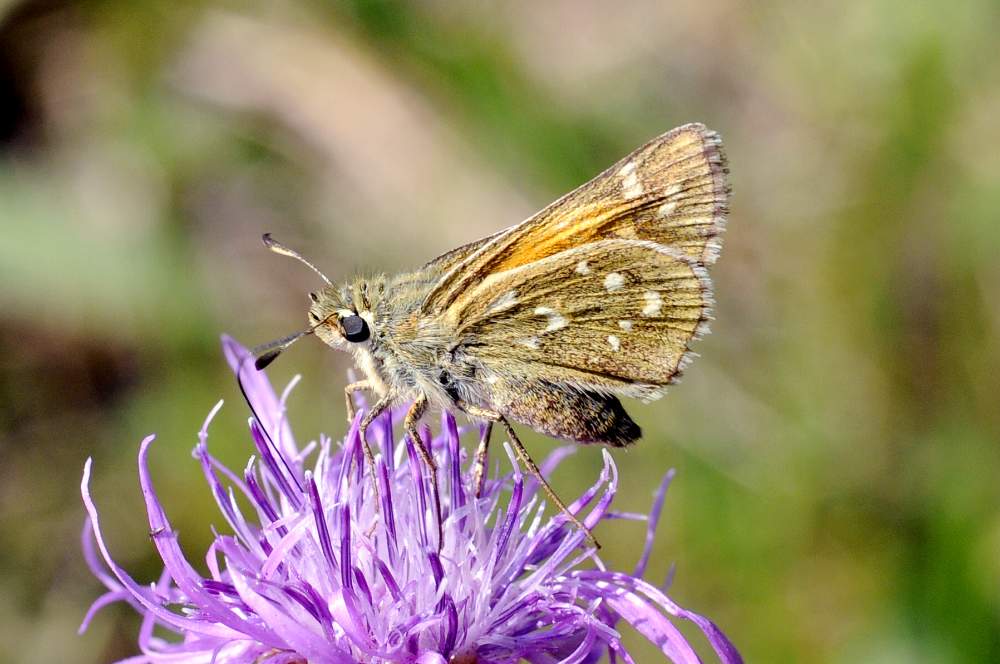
point(186, 578)
point(259, 391)
point(141, 594)
point(308, 643)
point(652, 522)
point(652, 624)
point(107, 598)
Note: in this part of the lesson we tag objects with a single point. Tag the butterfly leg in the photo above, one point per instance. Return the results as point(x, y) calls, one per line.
point(410, 425)
point(349, 392)
point(380, 407)
point(530, 465)
point(479, 469)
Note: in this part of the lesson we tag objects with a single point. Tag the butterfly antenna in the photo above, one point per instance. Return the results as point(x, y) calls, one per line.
point(279, 248)
point(268, 352)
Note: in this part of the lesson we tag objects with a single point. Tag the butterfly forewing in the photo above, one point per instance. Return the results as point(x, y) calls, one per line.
point(419, 281)
point(671, 191)
point(613, 315)
point(448, 260)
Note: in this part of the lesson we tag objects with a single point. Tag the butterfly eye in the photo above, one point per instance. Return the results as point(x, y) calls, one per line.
point(355, 328)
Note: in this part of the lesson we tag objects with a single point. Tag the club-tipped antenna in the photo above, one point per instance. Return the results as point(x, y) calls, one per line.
point(267, 353)
point(279, 248)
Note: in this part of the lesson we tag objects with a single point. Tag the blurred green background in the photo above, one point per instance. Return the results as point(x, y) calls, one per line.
point(837, 443)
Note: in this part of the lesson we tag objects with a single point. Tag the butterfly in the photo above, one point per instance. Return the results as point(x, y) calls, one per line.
point(549, 322)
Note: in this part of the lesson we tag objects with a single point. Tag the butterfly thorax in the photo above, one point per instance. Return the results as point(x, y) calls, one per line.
point(406, 353)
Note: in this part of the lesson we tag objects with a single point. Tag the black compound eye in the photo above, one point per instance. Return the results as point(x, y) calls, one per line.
point(355, 328)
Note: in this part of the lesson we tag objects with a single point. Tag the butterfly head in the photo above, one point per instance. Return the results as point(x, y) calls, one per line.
point(342, 317)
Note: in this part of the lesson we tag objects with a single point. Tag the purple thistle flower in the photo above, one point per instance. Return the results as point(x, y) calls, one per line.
point(318, 574)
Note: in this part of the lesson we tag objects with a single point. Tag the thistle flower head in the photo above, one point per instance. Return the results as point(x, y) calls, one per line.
point(314, 571)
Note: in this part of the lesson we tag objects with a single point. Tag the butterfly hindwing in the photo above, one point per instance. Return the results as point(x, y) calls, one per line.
point(615, 316)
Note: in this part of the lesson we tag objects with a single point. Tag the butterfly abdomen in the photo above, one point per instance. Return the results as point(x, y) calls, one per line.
point(572, 414)
point(610, 424)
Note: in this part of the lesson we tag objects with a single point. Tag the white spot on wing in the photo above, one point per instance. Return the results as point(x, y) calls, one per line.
point(631, 187)
point(625, 325)
point(615, 342)
point(503, 302)
point(582, 268)
point(556, 320)
point(492, 378)
point(531, 342)
point(614, 281)
point(653, 304)
point(667, 209)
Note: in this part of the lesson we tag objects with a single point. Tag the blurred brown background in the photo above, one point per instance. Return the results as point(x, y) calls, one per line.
point(837, 444)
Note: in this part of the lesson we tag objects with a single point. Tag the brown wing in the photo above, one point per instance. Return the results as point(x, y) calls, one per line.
point(671, 191)
point(615, 316)
point(431, 272)
point(448, 260)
